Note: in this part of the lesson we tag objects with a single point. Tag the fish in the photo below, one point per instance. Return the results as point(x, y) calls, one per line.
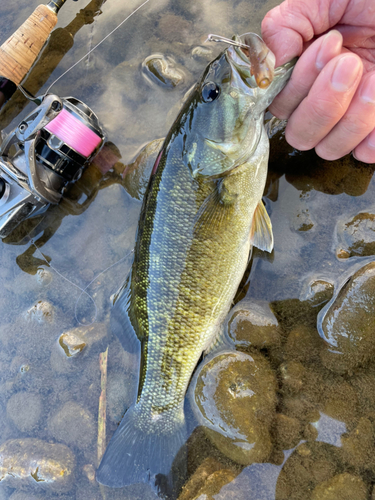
point(201, 214)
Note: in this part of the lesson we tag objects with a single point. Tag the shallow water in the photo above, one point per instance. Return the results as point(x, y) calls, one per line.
point(87, 242)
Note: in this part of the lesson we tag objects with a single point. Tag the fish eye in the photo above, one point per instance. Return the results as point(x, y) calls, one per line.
point(210, 91)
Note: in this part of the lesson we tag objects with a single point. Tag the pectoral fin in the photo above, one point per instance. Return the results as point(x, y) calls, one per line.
point(261, 231)
point(216, 207)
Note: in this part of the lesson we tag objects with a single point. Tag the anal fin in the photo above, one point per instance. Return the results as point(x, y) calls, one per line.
point(121, 325)
point(261, 231)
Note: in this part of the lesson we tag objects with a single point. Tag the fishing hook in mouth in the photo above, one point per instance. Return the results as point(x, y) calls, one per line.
point(218, 38)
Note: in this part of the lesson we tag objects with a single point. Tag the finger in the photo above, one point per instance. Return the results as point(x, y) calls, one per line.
point(356, 13)
point(355, 36)
point(307, 69)
point(366, 150)
point(355, 125)
point(285, 42)
point(326, 103)
point(286, 27)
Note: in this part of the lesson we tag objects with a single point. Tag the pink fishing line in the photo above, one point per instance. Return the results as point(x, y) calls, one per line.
point(74, 133)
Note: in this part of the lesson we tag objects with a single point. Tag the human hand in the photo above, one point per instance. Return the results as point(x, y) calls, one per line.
point(330, 98)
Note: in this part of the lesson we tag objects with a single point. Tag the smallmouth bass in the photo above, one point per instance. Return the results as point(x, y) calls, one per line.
point(201, 214)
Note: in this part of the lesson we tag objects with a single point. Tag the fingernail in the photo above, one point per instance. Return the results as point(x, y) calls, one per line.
point(331, 46)
point(368, 90)
point(354, 156)
point(371, 140)
point(346, 72)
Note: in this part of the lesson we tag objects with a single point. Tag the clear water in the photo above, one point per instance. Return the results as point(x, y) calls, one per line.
point(88, 243)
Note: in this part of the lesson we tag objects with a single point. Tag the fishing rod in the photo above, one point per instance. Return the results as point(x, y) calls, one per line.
point(19, 52)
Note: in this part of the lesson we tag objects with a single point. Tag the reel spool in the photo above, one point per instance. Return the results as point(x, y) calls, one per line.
point(47, 151)
point(69, 140)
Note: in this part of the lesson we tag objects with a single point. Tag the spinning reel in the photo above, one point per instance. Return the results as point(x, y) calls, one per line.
point(43, 155)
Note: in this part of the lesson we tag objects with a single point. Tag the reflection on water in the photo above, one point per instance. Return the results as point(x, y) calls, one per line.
point(320, 433)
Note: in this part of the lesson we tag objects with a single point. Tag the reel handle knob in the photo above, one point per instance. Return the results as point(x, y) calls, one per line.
point(19, 52)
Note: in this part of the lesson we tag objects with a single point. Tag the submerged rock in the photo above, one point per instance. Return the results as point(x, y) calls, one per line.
point(207, 481)
point(200, 449)
point(174, 29)
point(301, 407)
point(202, 52)
point(294, 312)
point(73, 425)
point(32, 462)
point(303, 344)
point(309, 465)
point(341, 487)
point(71, 344)
point(233, 395)
point(24, 409)
point(308, 390)
point(287, 432)
point(293, 376)
point(163, 71)
point(42, 312)
point(21, 495)
point(89, 471)
point(44, 276)
point(252, 324)
point(302, 220)
point(75, 340)
point(357, 237)
point(197, 480)
point(358, 445)
point(347, 322)
point(65, 352)
point(318, 292)
point(307, 171)
point(363, 382)
point(339, 399)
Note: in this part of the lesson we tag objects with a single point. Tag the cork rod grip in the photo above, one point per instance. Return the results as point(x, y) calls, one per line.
point(19, 52)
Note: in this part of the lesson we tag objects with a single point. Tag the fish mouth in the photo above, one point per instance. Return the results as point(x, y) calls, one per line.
point(251, 59)
point(240, 64)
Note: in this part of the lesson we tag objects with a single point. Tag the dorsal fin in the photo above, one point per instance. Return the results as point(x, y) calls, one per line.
point(261, 231)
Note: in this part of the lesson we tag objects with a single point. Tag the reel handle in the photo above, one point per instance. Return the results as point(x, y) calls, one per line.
point(20, 51)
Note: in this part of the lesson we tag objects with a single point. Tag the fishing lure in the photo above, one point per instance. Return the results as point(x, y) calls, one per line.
point(253, 49)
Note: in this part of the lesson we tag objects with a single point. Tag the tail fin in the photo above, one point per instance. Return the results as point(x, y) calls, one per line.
point(142, 449)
